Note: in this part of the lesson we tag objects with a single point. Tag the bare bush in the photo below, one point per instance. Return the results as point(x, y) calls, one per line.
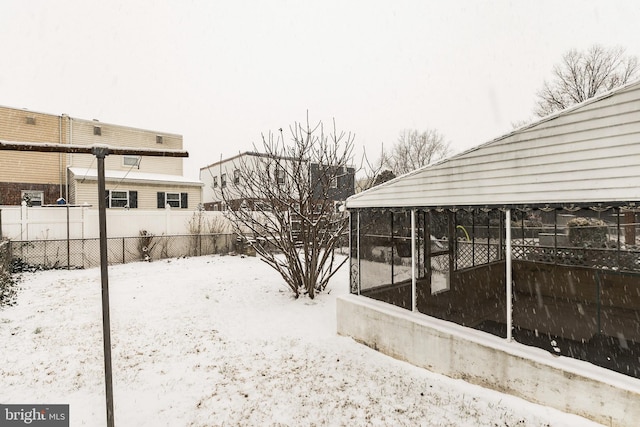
point(284, 202)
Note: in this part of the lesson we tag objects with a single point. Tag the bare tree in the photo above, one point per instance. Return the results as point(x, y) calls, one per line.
point(415, 149)
point(520, 123)
point(284, 201)
point(371, 170)
point(584, 74)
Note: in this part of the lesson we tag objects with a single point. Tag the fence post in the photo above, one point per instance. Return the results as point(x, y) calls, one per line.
point(84, 222)
point(167, 225)
point(24, 223)
point(68, 242)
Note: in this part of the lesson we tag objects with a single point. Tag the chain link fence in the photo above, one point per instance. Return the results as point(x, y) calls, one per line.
point(85, 253)
point(7, 284)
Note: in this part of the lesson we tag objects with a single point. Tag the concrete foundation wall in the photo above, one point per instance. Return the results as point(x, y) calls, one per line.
point(455, 351)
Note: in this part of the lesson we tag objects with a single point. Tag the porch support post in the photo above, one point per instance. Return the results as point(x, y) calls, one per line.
point(413, 260)
point(358, 250)
point(507, 226)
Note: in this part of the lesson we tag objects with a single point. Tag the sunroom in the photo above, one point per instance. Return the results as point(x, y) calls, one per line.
point(525, 250)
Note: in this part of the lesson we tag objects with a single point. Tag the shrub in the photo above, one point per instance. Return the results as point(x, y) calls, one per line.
point(587, 231)
point(146, 243)
point(7, 288)
point(7, 281)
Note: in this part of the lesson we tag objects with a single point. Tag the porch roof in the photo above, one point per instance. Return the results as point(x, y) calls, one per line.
point(134, 177)
point(587, 154)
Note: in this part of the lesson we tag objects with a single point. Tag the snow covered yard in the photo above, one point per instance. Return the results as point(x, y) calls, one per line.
point(218, 340)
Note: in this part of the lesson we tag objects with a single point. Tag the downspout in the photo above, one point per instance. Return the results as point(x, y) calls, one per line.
point(60, 162)
point(413, 260)
point(508, 279)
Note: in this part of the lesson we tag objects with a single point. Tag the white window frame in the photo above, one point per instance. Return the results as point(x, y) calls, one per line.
point(223, 180)
point(118, 199)
point(129, 161)
point(215, 182)
point(173, 199)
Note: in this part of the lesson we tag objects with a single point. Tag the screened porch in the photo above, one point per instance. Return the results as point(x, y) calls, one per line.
point(562, 278)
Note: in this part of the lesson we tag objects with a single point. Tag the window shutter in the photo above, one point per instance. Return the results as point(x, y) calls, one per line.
point(133, 199)
point(107, 198)
point(183, 200)
point(160, 200)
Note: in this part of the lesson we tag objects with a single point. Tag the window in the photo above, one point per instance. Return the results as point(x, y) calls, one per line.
point(31, 120)
point(118, 199)
point(279, 175)
point(215, 182)
point(122, 199)
point(333, 182)
point(174, 200)
point(261, 206)
point(223, 180)
point(236, 176)
point(97, 130)
point(33, 198)
point(159, 139)
point(130, 160)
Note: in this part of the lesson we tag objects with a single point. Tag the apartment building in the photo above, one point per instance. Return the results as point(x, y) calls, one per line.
point(227, 174)
point(49, 178)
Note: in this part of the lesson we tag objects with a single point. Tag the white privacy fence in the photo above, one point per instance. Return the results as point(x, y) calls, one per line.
point(81, 222)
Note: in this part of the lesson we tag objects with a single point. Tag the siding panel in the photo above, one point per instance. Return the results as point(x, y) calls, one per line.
point(123, 136)
point(38, 168)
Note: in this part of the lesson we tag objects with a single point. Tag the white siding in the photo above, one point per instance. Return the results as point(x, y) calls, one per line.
point(123, 136)
point(245, 162)
point(590, 153)
point(87, 192)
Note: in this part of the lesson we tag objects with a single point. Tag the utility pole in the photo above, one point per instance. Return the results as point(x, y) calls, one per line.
point(100, 151)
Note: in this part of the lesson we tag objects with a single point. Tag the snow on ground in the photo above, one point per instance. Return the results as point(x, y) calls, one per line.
point(219, 341)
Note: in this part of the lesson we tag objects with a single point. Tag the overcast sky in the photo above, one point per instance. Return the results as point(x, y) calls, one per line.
point(221, 73)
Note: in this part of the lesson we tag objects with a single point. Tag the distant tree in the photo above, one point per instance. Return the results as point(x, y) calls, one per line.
point(384, 176)
point(415, 149)
point(520, 123)
point(283, 202)
point(584, 74)
point(371, 170)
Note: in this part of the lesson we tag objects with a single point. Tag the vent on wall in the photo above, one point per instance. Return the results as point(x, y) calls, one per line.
point(31, 120)
point(159, 139)
point(97, 130)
